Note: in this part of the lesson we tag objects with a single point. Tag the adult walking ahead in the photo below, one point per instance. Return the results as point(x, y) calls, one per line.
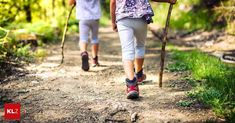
point(130, 19)
point(88, 13)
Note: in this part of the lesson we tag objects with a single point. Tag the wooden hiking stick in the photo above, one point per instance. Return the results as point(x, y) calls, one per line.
point(64, 33)
point(164, 45)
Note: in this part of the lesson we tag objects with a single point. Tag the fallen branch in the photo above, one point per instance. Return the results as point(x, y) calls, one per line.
point(64, 33)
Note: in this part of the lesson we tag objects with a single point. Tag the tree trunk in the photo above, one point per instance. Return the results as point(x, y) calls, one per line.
point(28, 13)
point(53, 8)
point(105, 5)
point(63, 3)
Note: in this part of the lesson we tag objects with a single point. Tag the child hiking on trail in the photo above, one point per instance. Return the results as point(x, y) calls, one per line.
point(130, 19)
point(88, 13)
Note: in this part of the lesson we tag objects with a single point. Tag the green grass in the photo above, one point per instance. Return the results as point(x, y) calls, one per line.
point(23, 51)
point(40, 53)
point(185, 103)
point(177, 66)
point(216, 86)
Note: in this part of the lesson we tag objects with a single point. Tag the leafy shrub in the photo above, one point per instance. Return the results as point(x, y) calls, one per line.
point(9, 48)
point(45, 31)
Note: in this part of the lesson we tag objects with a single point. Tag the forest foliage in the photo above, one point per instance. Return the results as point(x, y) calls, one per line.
point(38, 20)
point(199, 14)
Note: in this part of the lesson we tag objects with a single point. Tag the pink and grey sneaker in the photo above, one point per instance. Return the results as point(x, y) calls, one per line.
point(85, 63)
point(95, 62)
point(132, 89)
point(140, 76)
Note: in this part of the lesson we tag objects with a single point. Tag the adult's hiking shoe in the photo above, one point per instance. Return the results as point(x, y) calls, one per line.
point(85, 63)
point(132, 89)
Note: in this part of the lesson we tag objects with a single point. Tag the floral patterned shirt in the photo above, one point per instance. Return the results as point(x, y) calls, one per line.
point(133, 9)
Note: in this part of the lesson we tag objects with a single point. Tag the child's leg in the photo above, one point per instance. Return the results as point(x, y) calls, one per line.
point(126, 35)
point(129, 69)
point(139, 64)
point(84, 35)
point(83, 46)
point(127, 39)
point(140, 34)
point(95, 41)
point(95, 49)
point(94, 37)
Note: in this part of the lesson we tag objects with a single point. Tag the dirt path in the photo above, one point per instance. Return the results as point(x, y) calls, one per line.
point(67, 94)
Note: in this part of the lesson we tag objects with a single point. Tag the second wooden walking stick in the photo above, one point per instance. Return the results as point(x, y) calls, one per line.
point(163, 52)
point(64, 33)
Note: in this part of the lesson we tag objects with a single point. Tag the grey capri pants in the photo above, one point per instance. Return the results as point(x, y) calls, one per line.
point(86, 27)
point(132, 33)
